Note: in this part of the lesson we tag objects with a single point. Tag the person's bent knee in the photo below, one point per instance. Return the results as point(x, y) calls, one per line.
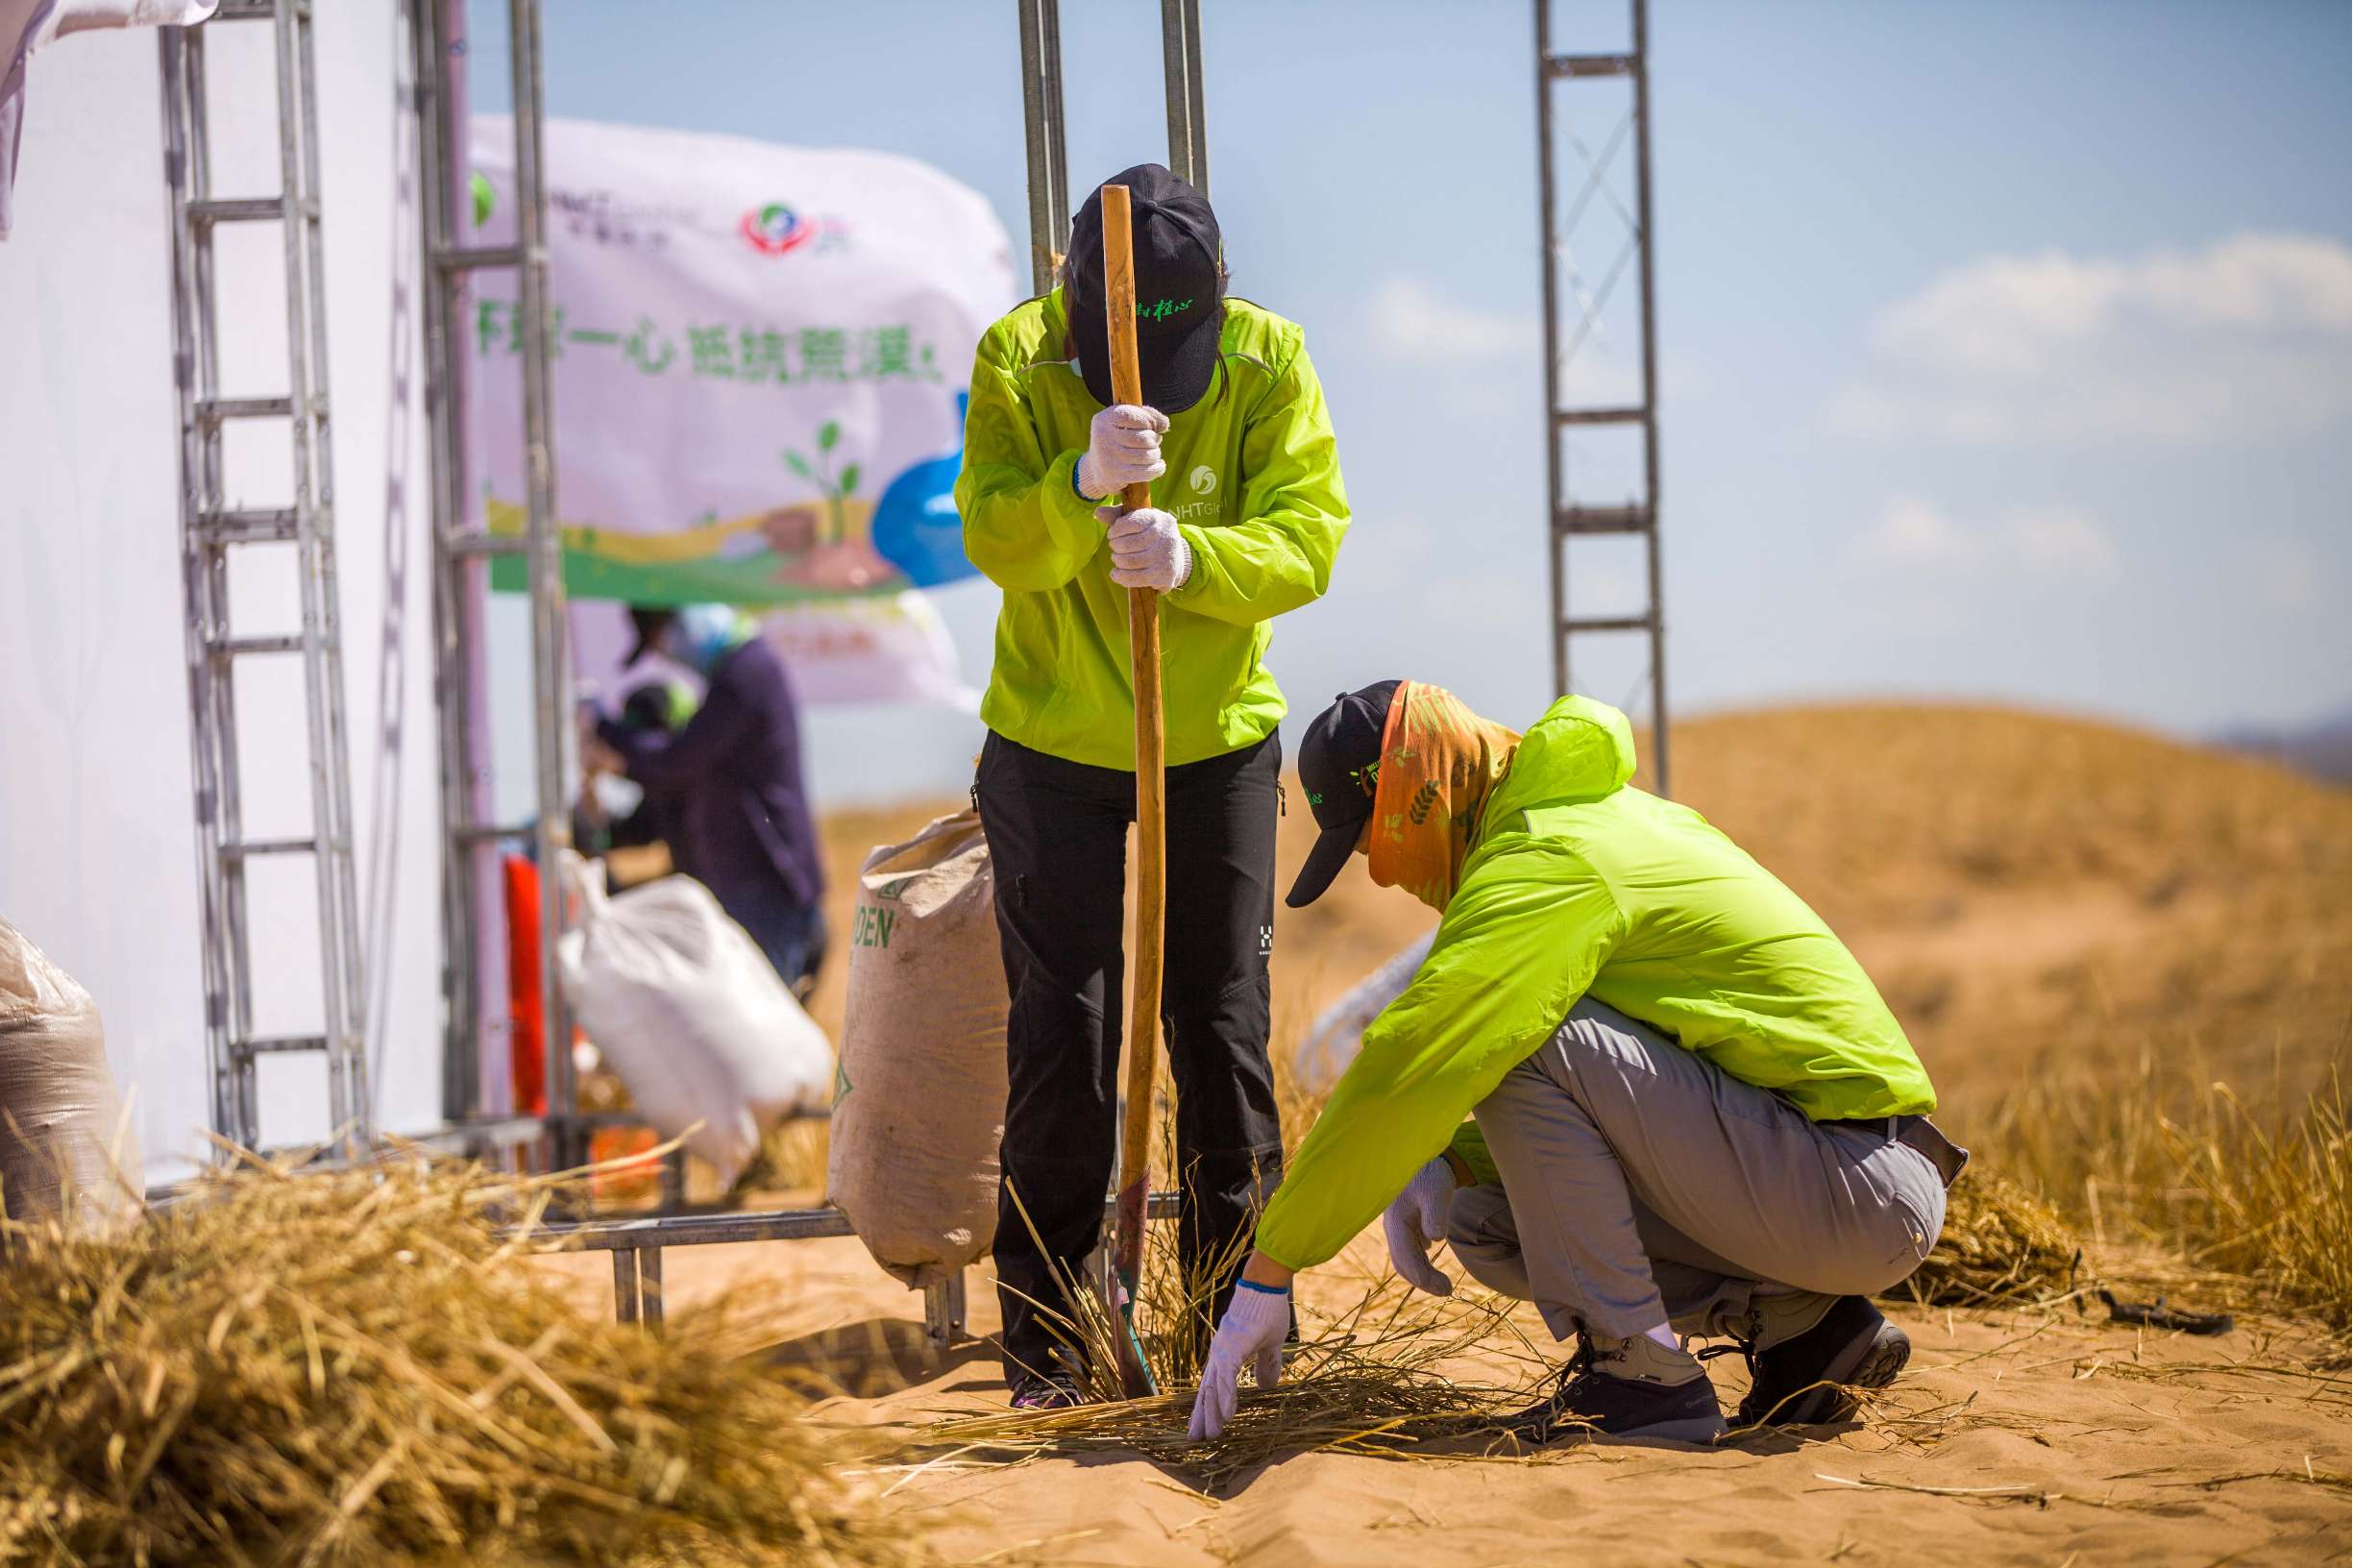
point(1883, 1253)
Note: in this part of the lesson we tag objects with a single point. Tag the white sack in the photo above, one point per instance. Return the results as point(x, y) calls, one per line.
point(65, 1145)
point(1338, 1032)
point(689, 1013)
point(921, 1100)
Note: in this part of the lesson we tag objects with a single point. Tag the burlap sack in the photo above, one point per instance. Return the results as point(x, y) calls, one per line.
point(66, 1146)
point(920, 1095)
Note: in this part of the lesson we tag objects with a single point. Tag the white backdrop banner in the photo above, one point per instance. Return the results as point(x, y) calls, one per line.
point(760, 359)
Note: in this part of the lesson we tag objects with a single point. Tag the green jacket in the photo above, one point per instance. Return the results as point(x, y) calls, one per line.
point(1254, 482)
point(1577, 885)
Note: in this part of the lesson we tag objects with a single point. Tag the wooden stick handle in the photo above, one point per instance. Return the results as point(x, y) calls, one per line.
point(1151, 842)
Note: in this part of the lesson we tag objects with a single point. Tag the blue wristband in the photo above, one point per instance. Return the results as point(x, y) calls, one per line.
point(1264, 1290)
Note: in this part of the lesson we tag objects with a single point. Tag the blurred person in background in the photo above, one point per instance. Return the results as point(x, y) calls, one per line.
point(734, 807)
point(1245, 519)
point(1689, 1112)
point(617, 813)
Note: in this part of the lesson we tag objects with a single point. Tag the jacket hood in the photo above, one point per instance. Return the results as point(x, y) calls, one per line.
point(1579, 750)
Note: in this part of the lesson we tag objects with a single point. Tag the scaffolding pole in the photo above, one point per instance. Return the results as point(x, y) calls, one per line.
point(212, 533)
point(1049, 176)
point(1567, 518)
point(1179, 46)
point(461, 558)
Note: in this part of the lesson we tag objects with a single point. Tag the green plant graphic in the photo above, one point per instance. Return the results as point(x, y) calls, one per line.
point(836, 488)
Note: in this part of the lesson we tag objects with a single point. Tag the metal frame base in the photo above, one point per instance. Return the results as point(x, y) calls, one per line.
point(637, 1244)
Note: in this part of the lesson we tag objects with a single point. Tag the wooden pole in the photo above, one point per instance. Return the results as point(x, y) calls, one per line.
point(1151, 838)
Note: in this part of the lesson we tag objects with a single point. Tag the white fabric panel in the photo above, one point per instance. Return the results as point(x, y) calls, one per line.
point(97, 858)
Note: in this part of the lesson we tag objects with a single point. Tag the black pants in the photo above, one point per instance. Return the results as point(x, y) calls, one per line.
point(1058, 838)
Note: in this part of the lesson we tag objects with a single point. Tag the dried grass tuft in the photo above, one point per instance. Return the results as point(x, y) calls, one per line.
point(1364, 1379)
point(2243, 1205)
point(2000, 1245)
point(353, 1368)
point(2279, 1201)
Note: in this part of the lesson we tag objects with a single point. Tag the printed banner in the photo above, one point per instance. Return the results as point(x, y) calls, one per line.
point(759, 363)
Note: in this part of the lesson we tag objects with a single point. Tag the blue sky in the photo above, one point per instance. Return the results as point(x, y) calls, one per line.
point(2005, 345)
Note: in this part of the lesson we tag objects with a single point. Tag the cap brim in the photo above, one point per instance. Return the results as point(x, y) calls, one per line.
point(1333, 848)
point(1177, 367)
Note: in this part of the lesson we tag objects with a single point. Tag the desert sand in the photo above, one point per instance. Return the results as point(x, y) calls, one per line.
point(2045, 1437)
point(2042, 900)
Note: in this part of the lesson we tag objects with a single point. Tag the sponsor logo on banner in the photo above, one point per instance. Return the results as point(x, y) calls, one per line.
point(777, 230)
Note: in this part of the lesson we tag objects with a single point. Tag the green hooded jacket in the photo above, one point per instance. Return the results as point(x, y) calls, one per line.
point(1577, 885)
point(1254, 482)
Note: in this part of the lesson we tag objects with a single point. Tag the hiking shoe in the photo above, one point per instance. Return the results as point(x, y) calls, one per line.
point(1625, 1388)
point(1045, 1392)
point(1851, 1347)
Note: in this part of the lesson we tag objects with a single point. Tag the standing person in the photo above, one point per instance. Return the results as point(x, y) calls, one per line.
point(1246, 516)
point(730, 781)
point(1691, 1109)
point(664, 703)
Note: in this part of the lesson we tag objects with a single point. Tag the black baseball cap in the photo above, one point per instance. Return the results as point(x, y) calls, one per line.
point(1179, 301)
point(1339, 767)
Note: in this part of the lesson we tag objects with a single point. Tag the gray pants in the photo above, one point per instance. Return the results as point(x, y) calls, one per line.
point(1647, 1185)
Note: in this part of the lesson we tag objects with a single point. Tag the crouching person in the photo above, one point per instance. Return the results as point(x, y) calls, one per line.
point(1690, 1113)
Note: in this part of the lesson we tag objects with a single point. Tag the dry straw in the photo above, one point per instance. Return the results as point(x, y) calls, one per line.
point(354, 1367)
point(1366, 1377)
point(2001, 1246)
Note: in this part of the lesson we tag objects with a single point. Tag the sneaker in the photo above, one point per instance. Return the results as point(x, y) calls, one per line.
point(1045, 1392)
point(1851, 1347)
point(1625, 1388)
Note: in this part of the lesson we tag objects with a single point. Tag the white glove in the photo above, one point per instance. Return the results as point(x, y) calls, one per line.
point(1416, 1222)
point(1122, 449)
point(1147, 550)
point(1253, 1330)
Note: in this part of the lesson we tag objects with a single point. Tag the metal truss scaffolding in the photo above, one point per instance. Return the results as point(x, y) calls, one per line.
point(461, 555)
point(212, 531)
point(1569, 516)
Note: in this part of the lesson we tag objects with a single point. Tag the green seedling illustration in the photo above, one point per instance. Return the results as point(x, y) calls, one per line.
point(837, 488)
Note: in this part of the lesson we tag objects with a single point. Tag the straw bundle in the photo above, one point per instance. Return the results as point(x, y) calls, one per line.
point(353, 1368)
point(2002, 1244)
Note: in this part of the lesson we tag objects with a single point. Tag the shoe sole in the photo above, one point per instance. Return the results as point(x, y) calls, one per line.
point(1703, 1429)
point(1699, 1429)
point(1871, 1362)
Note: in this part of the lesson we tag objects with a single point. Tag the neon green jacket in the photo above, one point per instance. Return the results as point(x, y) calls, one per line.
point(1577, 885)
point(1254, 482)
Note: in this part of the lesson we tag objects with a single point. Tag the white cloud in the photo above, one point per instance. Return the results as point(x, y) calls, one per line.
point(2059, 543)
point(1412, 323)
point(2044, 542)
point(2247, 337)
point(1916, 533)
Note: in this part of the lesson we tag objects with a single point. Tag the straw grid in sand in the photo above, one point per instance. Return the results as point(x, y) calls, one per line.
point(1382, 1372)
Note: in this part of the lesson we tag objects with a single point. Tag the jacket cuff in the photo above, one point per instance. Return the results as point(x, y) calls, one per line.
point(1276, 1256)
point(1069, 517)
point(1190, 588)
point(1062, 479)
point(1467, 1152)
